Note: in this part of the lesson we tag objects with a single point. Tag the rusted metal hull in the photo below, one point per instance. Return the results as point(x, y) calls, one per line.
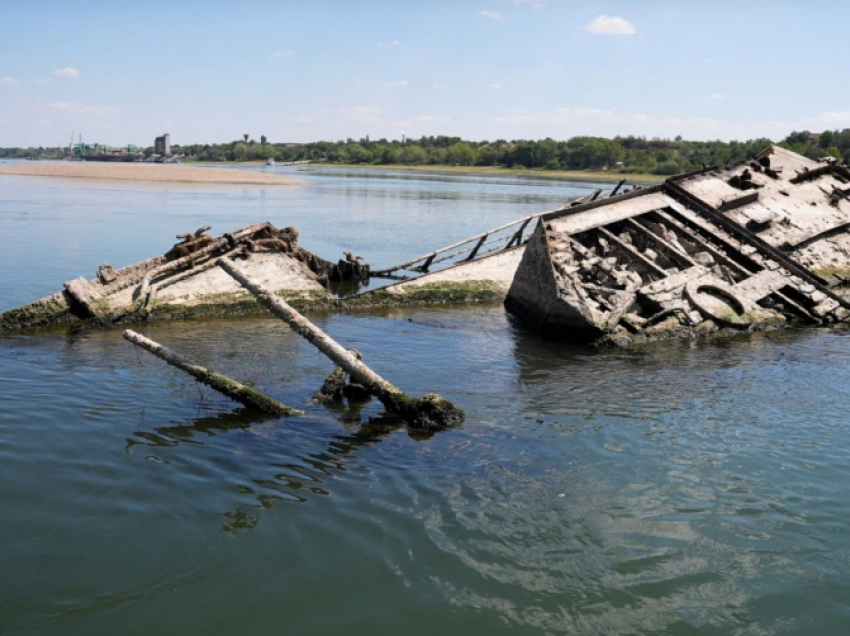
point(719, 251)
point(182, 282)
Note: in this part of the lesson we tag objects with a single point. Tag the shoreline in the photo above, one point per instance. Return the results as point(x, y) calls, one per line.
point(151, 173)
point(561, 175)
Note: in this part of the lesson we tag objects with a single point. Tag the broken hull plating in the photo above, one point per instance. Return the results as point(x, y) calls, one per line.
point(694, 256)
point(182, 283)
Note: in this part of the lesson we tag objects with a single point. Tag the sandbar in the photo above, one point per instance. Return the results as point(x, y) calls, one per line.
point(145, 172)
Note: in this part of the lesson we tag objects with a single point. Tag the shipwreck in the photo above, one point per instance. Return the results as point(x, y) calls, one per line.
point(751, 246)
point(754, 245)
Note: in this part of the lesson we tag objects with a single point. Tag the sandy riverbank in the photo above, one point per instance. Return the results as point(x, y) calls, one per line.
point(145, 172)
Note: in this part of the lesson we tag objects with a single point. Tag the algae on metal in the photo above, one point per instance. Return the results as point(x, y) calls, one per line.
point(239, 303)
point(477, 291)
point(41, 312)
point(246, 394)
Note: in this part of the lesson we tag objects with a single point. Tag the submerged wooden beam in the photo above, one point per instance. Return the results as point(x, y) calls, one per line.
point(231, 388)
point(430, 411)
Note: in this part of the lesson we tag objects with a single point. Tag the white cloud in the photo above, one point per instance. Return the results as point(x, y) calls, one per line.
point(79, 107)
point(537, 4)
point(395, 43)
point(715, 96)
point(496, 86)
point(440, 87)
point(836, 117)
point(9, 81)
point(566, 122)
point(66, 72)
point(399, 83)
point(422, 122)
point(303, 119)
point(368, 114)
point(429, 119)
point(610, 25)
point(283, 53)
point(559, 116)
point(491, 15)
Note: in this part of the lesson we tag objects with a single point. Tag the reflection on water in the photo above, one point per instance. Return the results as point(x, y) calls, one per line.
point(678, 489)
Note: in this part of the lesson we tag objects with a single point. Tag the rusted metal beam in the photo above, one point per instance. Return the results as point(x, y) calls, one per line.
point(477, 247)
point(221, 383)
point(714, 251)
point(518, 235)
point(738, 202)
point(430, 411)
point(813, 236)
point(660, 241)
point(633, 251)
point(809, 175)
point(617, 188)
point(729, 262)
point(424, 267)
point(686, 198)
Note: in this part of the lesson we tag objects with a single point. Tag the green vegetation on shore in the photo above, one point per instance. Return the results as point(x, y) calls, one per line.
point(610, 176)
point(604, 158)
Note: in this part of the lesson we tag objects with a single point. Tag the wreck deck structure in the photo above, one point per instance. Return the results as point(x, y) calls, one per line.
point(185, 282)
point(751, 246)
point(754, 245)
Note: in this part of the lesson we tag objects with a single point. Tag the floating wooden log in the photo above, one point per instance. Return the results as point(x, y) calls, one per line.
point(231, 388)
point(430, 411)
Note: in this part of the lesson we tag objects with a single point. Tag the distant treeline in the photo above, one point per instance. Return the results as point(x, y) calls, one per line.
point(624, 154)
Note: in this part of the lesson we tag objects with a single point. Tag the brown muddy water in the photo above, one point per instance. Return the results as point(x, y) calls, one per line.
point(680, 489)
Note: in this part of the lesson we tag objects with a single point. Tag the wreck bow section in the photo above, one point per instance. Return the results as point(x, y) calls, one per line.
point(186, 282)
point(750, 247)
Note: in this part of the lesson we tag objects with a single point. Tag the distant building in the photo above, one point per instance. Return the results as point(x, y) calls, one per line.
point(162, 145)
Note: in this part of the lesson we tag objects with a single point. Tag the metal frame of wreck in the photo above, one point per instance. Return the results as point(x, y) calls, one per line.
point(472, 246)
point(730, 253)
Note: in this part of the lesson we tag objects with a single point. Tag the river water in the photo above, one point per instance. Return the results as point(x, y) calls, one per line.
point(679, 489)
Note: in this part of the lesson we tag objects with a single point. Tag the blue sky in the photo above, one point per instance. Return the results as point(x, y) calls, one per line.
point(121, 72)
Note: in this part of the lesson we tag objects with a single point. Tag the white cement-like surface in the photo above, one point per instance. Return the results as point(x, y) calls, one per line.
point(498, 269)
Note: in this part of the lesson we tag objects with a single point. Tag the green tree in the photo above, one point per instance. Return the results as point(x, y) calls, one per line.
point(239, 152)
point(462, 154)
point(833, 151)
